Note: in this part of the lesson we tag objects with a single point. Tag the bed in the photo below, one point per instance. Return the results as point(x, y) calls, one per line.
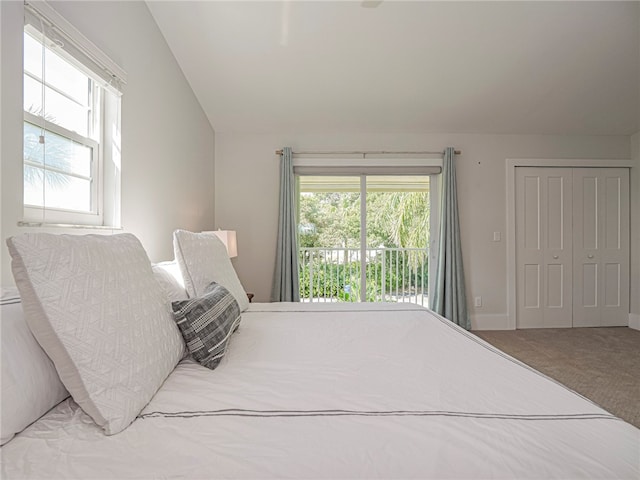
point(336, 391)
point(342, 391)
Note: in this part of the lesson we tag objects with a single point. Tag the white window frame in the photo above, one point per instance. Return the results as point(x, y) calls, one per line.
point(93, 217)
point(108, 79)
point(388, 165)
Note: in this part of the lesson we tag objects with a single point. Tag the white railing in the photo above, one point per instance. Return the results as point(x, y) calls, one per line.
point(391, 275)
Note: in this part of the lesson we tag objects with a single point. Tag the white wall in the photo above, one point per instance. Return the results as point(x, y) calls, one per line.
point(246, 192)
point(167, 141)
point(634, 317)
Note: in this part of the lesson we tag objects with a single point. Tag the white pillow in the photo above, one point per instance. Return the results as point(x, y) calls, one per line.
point(30, 383)
point(94, 306)
point(203, 259)
point(169, 277)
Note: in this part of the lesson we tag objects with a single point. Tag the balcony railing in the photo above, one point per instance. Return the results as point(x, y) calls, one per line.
point(391, 275)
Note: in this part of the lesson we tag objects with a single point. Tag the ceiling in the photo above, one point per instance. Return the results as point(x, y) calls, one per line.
point(411, 67)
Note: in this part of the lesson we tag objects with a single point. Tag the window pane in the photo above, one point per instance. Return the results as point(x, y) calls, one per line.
point(33, 149)
point(59, 109)
point(32, 96)
point(329, 239)
point(70, 193)
point(57, 190)
point(65, 112)
point(398, 211)
point(67, 155)
point(59, 152)
point(65, 77)
point(398, 238)
point(59, 73)
point(329, 211)
point(32, 56)
point(54, 189)
point(33, 187)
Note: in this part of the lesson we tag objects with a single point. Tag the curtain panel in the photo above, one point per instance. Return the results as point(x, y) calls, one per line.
point(286, 285)
point(447, 295)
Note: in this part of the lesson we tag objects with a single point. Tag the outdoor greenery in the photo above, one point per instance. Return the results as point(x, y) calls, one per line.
point(394, 219)
point(332, 220)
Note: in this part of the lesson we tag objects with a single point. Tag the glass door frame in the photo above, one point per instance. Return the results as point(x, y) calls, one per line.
point(434, 223)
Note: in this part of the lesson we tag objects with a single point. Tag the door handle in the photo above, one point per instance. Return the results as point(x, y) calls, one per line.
point(590, 256)
point(555, 257)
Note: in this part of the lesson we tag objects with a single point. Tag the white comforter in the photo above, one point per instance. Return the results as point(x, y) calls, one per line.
point(342, 391)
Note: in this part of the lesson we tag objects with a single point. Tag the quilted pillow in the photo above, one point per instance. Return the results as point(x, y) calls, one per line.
point(30, 384)
point(95, 308)
point(169, 277)
point(207, 322)
point(203, 259)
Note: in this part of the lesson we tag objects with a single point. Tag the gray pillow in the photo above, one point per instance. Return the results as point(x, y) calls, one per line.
point(207, 322)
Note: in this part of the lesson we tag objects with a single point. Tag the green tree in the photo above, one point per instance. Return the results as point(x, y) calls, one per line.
point(332, 220)
point(329, 219)
point(394, 219)
point(402, 217)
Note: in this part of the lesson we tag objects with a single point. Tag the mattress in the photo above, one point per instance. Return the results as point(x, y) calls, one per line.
point(342, 391)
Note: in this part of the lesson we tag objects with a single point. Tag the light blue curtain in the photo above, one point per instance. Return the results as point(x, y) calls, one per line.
point(447, 293)
point(285, 280)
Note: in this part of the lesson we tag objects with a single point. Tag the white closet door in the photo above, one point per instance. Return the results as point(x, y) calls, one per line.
point(601, 247)
point(544, 247)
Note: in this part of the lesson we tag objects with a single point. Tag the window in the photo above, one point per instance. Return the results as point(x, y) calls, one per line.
point(71, 126)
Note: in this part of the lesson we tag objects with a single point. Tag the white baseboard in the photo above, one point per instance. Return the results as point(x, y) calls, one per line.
point(501, 322)
point(490, 322)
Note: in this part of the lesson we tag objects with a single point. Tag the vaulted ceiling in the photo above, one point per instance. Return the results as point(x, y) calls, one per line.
point(420, 66)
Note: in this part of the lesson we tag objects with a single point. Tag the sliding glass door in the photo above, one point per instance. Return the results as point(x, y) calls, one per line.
point(329, 228)
point(397, 220)
point(364, 238)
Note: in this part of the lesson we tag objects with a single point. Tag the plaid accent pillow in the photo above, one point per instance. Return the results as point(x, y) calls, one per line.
point(207, 322)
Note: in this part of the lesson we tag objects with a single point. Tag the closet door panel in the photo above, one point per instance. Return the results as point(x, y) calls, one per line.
point(601, 247)
point(612, 279)
point(557, 234)
point(543, 250)
point(530, 252)
point(586, 215)
point(615, 247)
point(531, 287)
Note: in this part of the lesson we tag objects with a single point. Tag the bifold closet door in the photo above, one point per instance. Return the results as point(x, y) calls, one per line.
point(544, 247)
point(601, 247)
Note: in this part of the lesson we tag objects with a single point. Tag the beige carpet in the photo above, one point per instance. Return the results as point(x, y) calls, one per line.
point(603, 364)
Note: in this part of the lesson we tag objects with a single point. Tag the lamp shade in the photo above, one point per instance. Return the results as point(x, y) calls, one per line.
point(228, 237)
